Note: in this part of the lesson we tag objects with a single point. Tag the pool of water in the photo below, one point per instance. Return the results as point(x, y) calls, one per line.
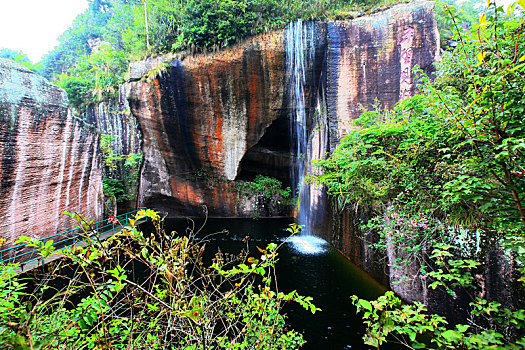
point(306, 264)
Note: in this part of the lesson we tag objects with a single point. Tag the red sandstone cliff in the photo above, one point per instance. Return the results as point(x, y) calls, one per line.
point(198, 119)
point(48, 159)
point(372, 57)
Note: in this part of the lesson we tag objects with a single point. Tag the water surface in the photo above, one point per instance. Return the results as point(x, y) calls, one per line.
point(306, 264)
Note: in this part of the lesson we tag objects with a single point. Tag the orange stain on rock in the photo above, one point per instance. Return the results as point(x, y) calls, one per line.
point(254, 86)
point(237, 90)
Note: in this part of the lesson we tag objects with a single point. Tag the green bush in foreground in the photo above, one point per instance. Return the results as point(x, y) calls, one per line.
point(179, 304)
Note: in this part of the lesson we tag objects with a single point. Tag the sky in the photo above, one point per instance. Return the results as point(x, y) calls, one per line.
point(33, 26)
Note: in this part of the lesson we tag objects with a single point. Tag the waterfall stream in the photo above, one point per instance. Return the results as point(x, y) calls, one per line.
point(300, 50)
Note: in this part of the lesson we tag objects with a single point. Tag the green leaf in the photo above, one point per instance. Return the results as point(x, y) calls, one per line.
point(83, 325)
point(462, 328)
point(365, 304)
point(451, 335)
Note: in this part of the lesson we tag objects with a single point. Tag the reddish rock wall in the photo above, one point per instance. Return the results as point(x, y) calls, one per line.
point(204, 117)
point(113, 118)
point(199, 117)
point(372, 58)
point(48, 160)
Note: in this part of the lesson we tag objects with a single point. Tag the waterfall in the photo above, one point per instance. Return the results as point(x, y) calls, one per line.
point(300, 50)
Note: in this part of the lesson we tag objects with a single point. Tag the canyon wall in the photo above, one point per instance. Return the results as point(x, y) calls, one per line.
point(372, 58)
point(199, 117)
point(370, 61)
point(121, 135)
point(210, 120)
point(114, 118)
point(48, 159)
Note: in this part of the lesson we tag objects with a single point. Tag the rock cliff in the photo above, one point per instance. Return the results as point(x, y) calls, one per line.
point(48, 159)
point(112, 119)
point(211, 119)
point(372, 58)
point(199, 117)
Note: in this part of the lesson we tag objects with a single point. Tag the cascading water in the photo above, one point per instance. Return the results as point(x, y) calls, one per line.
point(300, 53)
point(296, 50)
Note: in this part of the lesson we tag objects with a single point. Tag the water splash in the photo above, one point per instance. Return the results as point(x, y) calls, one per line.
point(308, 244)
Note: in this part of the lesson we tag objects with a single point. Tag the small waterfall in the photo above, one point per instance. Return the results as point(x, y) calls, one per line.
point(300, 51)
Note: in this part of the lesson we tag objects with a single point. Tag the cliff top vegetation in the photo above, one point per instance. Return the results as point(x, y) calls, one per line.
point(92, 56)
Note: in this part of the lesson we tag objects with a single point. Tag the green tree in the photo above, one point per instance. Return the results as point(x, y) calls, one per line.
point(466, 14)
point(450, 159)
point(182, 302)
point(18, 57)
point(209, 23)
point(95, 77)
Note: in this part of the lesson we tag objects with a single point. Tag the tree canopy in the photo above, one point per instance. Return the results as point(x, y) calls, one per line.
point(138, 28)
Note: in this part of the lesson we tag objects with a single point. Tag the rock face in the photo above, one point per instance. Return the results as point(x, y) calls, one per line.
point(199, 117)
point(211, 119)
point(372, 58)
point(113, 119)
point(368, 59)
point(496, 279)
point(48, 159)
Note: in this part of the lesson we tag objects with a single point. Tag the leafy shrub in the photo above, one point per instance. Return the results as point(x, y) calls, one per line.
point(115, 187)
point(263, 186)
point(209, 23)
point(19, 57)
point(490, 324)
point(121, 171)
point(446, 161)
point(180, 303)
point(78, 89)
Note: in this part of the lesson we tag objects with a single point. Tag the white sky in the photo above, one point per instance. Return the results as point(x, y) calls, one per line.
point(33, 26)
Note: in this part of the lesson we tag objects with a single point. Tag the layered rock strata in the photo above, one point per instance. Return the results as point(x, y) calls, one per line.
point(199, 117)
point(48, 159)
point(371, 58)
point(113, 119)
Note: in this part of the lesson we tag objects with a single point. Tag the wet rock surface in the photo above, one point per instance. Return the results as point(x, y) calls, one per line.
point(225, 114)
point(371, 58)
point(199, 117)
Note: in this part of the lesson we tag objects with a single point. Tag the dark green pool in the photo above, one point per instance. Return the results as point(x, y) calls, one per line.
point(309, 265)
